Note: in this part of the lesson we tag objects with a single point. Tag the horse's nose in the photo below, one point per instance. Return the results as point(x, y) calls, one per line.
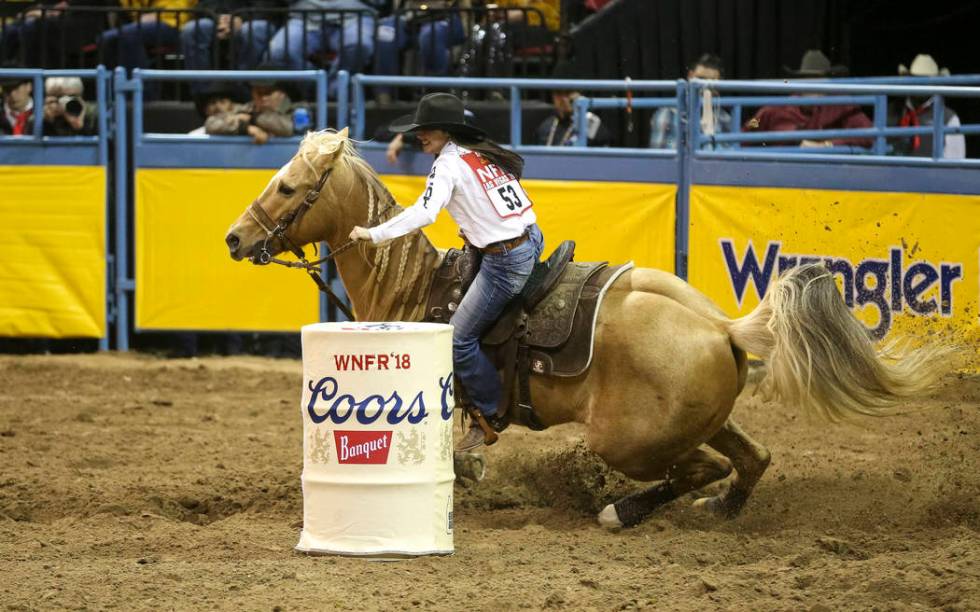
point(233, 242)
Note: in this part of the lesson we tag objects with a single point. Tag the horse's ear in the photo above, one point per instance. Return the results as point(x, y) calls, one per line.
point(343, 134)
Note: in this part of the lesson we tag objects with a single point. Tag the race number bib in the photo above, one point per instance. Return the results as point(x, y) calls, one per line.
point(503, 189)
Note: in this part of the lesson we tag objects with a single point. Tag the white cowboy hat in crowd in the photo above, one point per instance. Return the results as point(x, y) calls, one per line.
point(923, 66)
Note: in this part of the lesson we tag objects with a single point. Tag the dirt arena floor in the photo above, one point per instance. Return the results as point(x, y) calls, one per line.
point(137, 483)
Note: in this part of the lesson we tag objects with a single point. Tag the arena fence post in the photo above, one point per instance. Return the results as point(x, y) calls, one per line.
point(101, 80)
point(321, 99)
point(880, 119)
point(343, 98)
point(938, 125)
point(515, 116)
point(359, 110)
point(581, 118)
point(121, 168)
point(686, 101)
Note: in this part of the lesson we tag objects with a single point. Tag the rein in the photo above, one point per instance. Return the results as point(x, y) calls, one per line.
point(278, 230)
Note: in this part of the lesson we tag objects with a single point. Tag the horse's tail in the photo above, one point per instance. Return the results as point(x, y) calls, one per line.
point(820, 356)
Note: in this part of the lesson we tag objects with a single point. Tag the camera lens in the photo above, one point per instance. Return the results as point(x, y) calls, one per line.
point(74, 107)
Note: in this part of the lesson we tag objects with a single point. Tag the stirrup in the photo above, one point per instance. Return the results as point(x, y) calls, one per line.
point(479, 424)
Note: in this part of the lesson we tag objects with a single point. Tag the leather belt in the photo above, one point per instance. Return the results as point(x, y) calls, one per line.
point(496, 248)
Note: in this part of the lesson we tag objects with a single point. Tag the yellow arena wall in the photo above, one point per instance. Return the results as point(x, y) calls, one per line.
point(53, 269)
point(907, 263)
point(185, 279)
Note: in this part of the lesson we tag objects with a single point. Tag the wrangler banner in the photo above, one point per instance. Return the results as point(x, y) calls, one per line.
point(53, 267)
point(907, 264)
point(186, 280)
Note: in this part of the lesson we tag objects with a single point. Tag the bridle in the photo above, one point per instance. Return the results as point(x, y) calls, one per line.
point(277, 229)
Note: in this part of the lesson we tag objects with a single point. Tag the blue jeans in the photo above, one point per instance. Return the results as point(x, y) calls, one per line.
point(132, 39)
point(250, 43)
point(434, 40)
point(500, 279)
point(353, 51)
point(10, 38)
point(197, 37)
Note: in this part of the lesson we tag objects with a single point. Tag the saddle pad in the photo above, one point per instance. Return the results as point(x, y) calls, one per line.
point(550, 323)
point(574, 355)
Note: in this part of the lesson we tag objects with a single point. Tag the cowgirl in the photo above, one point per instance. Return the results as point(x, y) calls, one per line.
point(477, 181)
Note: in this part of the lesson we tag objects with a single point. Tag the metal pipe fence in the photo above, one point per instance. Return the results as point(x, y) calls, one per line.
point(826, 93)
point(688, 164)
point(512, 85)
point(481, 41)
point(69, 147)
point(87, 36)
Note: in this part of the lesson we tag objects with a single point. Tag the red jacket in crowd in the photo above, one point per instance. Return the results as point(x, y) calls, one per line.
point(791, 118)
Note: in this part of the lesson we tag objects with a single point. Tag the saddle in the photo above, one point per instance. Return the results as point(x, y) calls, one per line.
point(547, 330)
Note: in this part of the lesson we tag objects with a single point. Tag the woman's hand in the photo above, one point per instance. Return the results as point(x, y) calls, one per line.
point(360, 234)
point(394, 148)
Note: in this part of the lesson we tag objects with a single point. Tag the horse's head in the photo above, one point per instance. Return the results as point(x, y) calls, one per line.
point(276, 218)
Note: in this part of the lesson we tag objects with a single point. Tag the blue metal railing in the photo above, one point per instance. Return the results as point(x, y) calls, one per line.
point(37, 77)
point(101, 142)
point(514, 86)
point(685, 97)
point(125, 283)
point(318, 77)
point(832, 93)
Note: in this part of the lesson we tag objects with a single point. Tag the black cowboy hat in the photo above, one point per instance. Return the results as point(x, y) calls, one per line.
point(215, 91)
point(816, 64)
point(437, 111)
point(10, 82)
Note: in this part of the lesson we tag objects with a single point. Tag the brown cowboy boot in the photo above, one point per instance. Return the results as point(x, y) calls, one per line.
point(483, 430)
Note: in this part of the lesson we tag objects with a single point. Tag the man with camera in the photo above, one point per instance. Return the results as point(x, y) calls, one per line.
point(65, 112)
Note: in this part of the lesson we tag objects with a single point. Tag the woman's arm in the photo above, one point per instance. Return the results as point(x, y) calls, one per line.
point(438, 191)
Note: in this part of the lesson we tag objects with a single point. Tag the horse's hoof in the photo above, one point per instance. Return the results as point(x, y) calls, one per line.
point(471, 466)
point(715, 505)
point(609, 518)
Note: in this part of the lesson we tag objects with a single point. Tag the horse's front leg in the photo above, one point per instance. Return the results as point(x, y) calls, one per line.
point(750, 460)
point(692, 471)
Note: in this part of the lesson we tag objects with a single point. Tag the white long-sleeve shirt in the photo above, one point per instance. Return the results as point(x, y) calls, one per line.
point(487, 204)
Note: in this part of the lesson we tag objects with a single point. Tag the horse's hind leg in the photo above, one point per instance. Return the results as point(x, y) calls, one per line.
point(750, 460)
point(692, 471)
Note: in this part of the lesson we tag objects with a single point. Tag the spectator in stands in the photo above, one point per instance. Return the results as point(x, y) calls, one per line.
point(127, 44)
point(17, 116)
point(48, 35)
point(348, 34)
point(65, 112)
point(831, 117)
point(218, 98)
point(559, 129)
point(918, 112)
point(663, 131)
point(270, 113)
point(526, 26)
point(432, 28)
point(250, 34)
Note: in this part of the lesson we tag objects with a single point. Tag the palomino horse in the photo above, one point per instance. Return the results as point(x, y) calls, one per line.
point(667, 365)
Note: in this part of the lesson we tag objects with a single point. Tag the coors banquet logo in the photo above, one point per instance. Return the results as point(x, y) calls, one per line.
point(362, 447)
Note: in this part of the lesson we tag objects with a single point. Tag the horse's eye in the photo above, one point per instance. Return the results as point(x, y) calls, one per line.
point(286, 190)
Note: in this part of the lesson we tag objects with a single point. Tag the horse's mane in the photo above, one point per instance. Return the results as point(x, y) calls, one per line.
point(382, 204)
point(403, 296)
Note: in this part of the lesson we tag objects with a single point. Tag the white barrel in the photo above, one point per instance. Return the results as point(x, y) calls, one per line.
point(377, 439)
